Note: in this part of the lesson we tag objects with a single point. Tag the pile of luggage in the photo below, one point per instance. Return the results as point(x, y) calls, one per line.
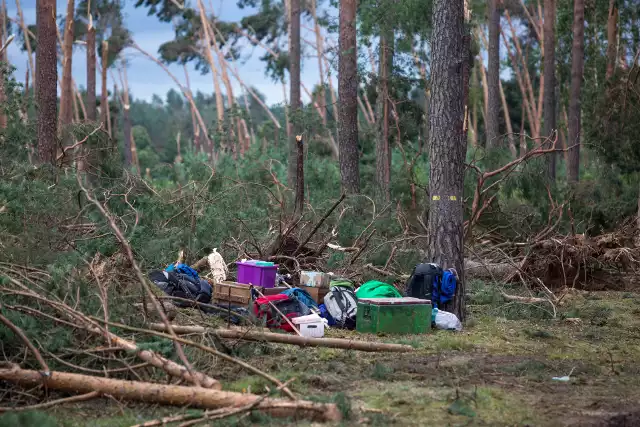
point(335, 304)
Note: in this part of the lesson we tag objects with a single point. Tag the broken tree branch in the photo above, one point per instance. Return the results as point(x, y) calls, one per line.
point(174, 395)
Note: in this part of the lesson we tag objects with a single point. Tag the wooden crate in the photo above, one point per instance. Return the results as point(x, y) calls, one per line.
point(232, 292)
point(238, 293)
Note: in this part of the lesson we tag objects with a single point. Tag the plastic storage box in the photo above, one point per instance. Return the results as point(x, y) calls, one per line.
point(394, 315)
point(311, 326)
point(258, 273)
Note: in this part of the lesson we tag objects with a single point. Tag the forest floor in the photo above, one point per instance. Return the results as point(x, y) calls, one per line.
point(498, 371)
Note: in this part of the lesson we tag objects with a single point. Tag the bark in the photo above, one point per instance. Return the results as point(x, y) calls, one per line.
point(383, 107)
point(493, 77)
point(348, 94)
point(66, 91)
point(46, 81)
point(104, 101)
point(290, 339)
point(577, 70)
point(167, 394)
point(91, 75)
point(549, 107)
point(612, 38)
point(447, 147)
point(294, 95)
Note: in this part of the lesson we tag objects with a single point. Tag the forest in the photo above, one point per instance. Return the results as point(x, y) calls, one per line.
point(496, 140)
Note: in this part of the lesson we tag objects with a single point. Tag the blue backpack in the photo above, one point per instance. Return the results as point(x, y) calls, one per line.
point(444, 289)
point(302, 296)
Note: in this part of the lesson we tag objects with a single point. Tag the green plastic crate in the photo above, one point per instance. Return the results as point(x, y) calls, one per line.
point(394, 315)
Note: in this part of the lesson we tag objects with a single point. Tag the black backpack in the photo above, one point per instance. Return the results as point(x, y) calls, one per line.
point(424, 278)
point(182, 286)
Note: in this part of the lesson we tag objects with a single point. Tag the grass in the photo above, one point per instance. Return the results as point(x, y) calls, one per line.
point(496, 372)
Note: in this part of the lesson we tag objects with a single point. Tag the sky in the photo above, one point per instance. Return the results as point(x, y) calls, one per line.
point(146, 78)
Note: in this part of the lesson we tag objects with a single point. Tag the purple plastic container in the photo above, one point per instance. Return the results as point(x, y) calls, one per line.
point(258, 275)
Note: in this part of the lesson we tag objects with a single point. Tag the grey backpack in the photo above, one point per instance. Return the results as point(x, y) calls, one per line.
point(342, 304)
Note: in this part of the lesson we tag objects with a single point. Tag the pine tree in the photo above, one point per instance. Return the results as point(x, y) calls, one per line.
point(447, 144)
point(549, 102)
point(348, 98)
point(493, 75)
point(577, 71)
point(47, 81)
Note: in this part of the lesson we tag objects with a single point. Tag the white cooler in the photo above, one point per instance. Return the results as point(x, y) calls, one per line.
point(311, 326)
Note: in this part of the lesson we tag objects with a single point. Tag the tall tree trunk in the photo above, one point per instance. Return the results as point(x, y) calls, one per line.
point(447, 147)
point(577, 71)
point(47, 81)
point(126, 119)
point(27, 43)
point(3, 58)
point(320, 49)
point(91, 74)
point(212, 65)
point(66, 92)
point(294, 91)
point(383, 107)
point(104, 92)
point(493, 76)
point(507, 121)
point(612, 38)
point(348, 95)
point(549, 107)
point(194, 123)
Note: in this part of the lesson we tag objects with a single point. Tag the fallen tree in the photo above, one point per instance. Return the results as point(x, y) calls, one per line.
point(184, 396)
point(289, 339)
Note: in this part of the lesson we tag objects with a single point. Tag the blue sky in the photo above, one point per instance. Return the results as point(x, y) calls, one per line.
point(146, 78)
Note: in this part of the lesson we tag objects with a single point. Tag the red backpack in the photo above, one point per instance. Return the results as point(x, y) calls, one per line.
point(288, 306)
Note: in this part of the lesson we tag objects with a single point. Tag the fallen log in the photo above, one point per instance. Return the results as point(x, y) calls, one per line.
point(170, 310)
point(290, 339)
point(175, 395)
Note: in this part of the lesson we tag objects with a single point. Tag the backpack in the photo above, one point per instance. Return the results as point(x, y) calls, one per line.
point(182, 286)
point(302, 296)
point(445, 292)
point(182, 269)
point(325, 315)
point(375, 289)
point(424, 279)
point(342, 304)
point(288, 305)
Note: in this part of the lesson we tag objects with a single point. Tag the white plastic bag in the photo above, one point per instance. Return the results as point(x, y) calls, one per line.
point(447, 321)
point(218, 267)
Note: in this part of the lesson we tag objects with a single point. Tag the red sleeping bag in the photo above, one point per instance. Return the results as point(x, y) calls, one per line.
point(288, 306)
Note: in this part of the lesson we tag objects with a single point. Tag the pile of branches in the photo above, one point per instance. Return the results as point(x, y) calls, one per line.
point(609, 261)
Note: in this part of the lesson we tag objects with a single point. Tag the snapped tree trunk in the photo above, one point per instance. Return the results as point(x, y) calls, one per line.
point(294, 93)
point(447, 146)
point(549, 105)
point(383, 107)
point(493, 76)
point(577, 71)
point(169, 394)
point(612, 38)
point(348, 95)
point(66, 91)
point(91, 75)
point(47, 81)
